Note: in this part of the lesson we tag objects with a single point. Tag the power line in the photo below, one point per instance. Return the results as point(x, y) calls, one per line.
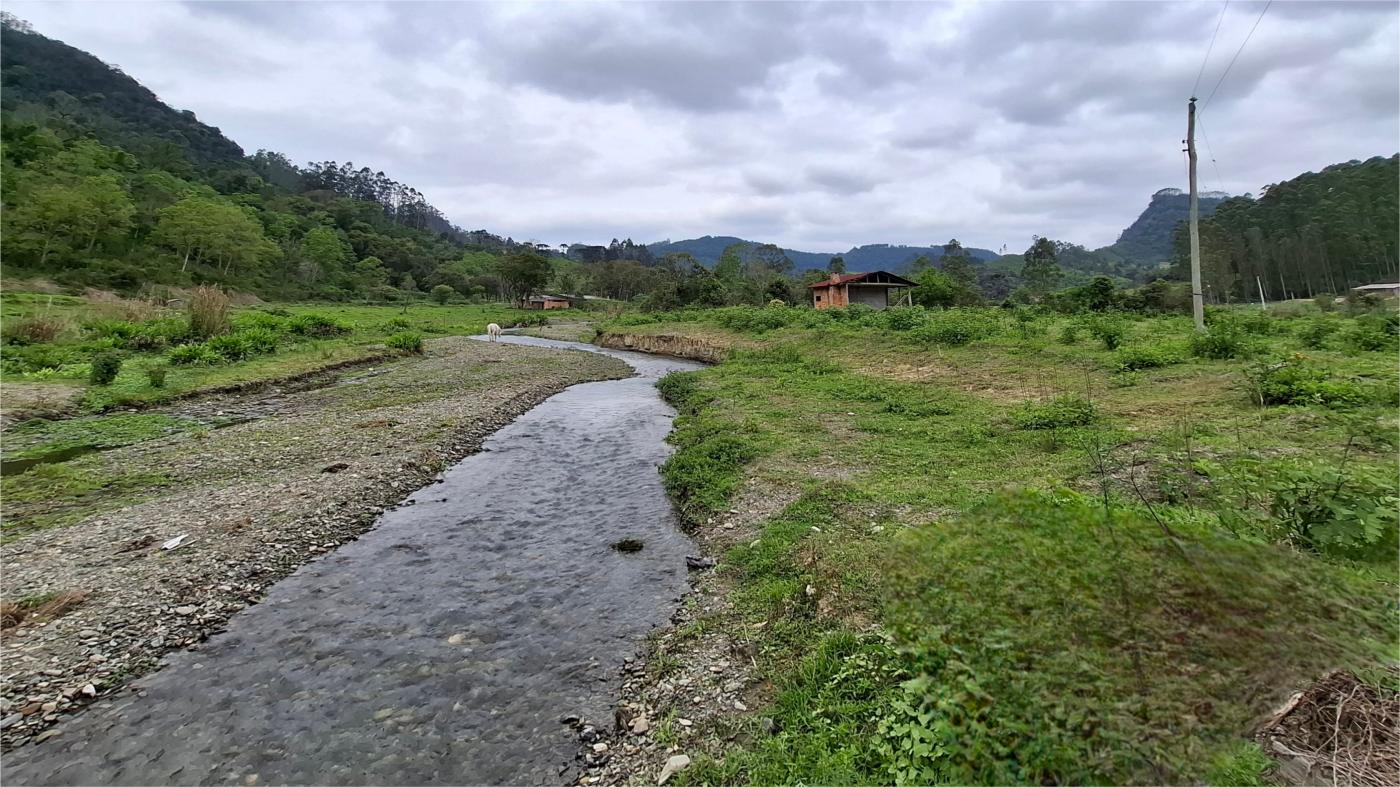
point(1219, 181)
point(1206, 59)
point(1237, 55)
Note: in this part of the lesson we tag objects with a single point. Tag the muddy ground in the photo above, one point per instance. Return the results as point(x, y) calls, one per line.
point(308, 471)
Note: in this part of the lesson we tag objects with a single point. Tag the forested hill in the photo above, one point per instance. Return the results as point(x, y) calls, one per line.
point(44, 77)
point(1149, 238)
point(104, 185)
point(1321, 232)
point(874, 256)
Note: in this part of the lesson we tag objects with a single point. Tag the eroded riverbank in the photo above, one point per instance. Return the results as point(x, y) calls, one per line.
point(255, 501)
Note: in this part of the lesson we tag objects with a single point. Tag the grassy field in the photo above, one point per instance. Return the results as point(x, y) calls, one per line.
point(51, 340)
point(1040, 548)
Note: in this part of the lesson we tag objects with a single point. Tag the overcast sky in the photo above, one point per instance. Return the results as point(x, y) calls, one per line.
point(815, 126)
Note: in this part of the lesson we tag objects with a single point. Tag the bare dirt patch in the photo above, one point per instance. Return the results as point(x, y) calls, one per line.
point(19, 401)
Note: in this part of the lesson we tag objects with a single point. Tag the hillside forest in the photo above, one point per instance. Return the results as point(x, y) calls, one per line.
point(106, 186)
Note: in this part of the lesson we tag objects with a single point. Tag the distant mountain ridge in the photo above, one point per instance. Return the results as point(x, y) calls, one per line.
point(102, 99)
point(872, 256)
point(1149, 237)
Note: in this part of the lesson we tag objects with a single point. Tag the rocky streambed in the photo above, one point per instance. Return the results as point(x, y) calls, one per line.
point(442, 646)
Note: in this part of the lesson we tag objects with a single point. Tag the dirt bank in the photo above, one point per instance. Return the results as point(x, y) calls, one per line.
point(696, 349)
point(254, 501)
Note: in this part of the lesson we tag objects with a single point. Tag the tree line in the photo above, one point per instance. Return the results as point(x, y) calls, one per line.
point(1321, 232)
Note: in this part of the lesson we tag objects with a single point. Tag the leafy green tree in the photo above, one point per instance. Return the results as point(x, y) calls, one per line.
point(442, 293)
point(731, 262)
point(522, 272)
point(1041, 273)
point(958, 266)
point(937, 289)
point(836, 265)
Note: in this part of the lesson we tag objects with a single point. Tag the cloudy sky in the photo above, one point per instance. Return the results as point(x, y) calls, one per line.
point(816, 126)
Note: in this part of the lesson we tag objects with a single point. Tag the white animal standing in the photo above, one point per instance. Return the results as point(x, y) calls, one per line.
point(494, 331)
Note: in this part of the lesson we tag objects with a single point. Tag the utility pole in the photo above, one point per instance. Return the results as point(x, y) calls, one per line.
point(1197, 302)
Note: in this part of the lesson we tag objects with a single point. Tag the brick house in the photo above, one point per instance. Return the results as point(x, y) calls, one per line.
point(877, 289)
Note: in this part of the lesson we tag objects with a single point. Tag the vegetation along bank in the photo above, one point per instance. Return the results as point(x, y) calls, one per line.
point(1012, 545)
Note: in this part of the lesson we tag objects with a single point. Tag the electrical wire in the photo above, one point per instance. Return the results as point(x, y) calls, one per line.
point(1206, 59)
point(1219, 181)
point(1237, 55)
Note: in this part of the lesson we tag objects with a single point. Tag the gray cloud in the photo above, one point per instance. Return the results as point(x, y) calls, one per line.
point(817, 126)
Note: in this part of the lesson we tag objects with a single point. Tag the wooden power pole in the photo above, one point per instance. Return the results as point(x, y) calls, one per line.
point(1198, 310)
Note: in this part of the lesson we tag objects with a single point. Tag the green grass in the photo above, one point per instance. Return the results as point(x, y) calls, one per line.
point(269, 346)
point(53, 495)
point(992, 603)
point(39, 437)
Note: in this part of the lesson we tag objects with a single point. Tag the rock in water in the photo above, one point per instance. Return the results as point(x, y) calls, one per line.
point(695, 563)
point(676, 764)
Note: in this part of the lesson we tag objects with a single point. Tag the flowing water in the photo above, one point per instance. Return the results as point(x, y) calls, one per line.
point(445, 644)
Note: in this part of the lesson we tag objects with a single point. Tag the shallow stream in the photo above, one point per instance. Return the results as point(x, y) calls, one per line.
point(441, 647)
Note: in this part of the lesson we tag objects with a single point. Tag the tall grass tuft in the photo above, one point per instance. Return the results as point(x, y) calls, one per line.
point(208, 309)
point(35, 329)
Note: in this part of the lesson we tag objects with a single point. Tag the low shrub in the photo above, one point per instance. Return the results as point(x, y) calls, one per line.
point(531, 321)
point(105, 366)
point(316, 325)
point(749, 319)
point(1027, 321)
point(193, 355)
point(1296, 380)
point(1315, 334)
point(1373, 333)
point(1145, 356)
point(208, 311)
point(406, 342)
point(155, 375)
point(259, 341)
point(230, 347)
point(120, 330)
point(957, 327)
point(1221, 342)
point(31, 358)
point(1325, 301)
point(1060, 412)
point(1107, 329)
point(902, 319)
point(35, 329)
point(1070, 334)
point(1345, 509)
point(1249, 321)
point(397, 324)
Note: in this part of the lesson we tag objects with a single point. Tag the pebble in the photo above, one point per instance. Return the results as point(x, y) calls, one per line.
point(684, 722)
point(740, 706)
point(600, 747)
point(674, 765)
point(186, 610)
point(456, 639)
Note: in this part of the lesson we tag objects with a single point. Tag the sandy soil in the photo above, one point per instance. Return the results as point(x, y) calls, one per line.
point(310, 470)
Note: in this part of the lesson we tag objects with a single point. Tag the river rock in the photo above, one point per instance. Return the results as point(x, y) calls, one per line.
point(674, 765)
point(639, 725)
point(696, 563)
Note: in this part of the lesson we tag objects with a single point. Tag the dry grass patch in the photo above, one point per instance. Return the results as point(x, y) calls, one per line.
point(34, 609)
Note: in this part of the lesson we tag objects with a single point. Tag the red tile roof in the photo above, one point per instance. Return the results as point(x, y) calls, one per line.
point(851, 277)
